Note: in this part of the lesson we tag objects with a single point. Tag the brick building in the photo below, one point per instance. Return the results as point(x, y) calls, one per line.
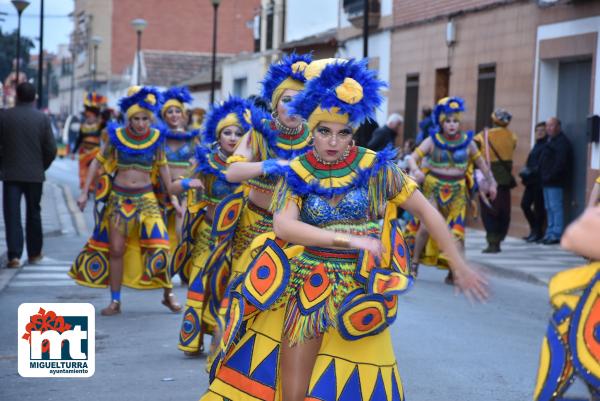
point(536, 59)
point(182, 26)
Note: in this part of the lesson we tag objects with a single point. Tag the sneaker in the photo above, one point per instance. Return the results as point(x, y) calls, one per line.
point(14, 263)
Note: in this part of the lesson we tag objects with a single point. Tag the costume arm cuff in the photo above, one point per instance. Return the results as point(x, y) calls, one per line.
point(272, 167)
point(236, 158)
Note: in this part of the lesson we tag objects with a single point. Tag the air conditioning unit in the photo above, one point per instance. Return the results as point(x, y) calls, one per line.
point(354, 10)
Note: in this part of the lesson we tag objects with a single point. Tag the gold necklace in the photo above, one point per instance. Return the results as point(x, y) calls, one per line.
point(284, 129)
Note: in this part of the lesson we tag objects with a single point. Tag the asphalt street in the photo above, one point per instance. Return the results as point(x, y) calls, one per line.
point(447, 349)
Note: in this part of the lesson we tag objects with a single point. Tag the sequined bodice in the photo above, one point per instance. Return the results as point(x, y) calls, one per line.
point(179, 156)
point(352, 207)
point(220, 188)
point(142, 161)
point(448, 158)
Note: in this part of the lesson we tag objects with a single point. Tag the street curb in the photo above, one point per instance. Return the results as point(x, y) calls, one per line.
point(64, 217)
point(6, 275)
point(76, 214)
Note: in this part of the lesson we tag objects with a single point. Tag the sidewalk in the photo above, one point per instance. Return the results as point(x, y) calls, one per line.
point(519, 259)
point(56, 221)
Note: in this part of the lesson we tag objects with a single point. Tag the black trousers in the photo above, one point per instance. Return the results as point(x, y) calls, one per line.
point(12, 192)
point(496, 219)
point(532, 204)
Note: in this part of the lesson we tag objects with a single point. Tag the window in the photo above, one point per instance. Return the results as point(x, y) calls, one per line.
point(486, 86)
point(442, 83)
point(411, 106)
point(240, 87)
point(270, 15)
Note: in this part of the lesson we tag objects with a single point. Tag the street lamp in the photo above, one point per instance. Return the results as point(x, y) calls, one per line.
point(40, 101)
point(139, 25)
point(95, 40)
point(20, 5)
point(215, 4)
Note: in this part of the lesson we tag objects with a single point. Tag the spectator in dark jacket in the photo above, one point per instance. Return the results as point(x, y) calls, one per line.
point(364, 132)
point(555, 169)
point(532, 202)
point(386, 135)
point(27, 148)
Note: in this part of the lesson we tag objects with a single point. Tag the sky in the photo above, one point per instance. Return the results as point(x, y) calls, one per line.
point(57, 24)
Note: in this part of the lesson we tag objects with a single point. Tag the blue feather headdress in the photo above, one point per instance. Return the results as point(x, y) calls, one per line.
point(146, 97)
point(218, 112)
point(448, 106)
point(291, 66)
point(331, 88)
point(175, 96)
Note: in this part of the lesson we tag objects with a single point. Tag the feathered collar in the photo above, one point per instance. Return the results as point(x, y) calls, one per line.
point(178, 135)
point(307, 175)
point(285, 146)
point(464, 139)
point(126, 142)
point(210, 161)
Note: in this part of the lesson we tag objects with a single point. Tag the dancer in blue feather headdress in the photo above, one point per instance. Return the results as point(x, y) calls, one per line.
point(314, 317)
point(450, 155)
point(179, 149)
point(129, 245)
point(264, 150)
point(201, 257)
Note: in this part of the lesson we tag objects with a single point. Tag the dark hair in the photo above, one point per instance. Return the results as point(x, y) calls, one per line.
point(540, 124)
point(25, 93)
point(260, 102)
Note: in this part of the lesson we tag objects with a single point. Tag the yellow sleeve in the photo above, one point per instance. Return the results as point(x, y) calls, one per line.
point(408, 188)
point(161, 156)
point(598, 180)
point(283, 194)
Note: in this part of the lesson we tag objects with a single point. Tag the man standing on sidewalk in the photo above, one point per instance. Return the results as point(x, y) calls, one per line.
point(555, 167)
point(27, 148)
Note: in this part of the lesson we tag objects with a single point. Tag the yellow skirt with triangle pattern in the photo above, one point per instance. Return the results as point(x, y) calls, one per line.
point(571, 347)
point(359, 370)
point(451, 198)
point(203, 298)
point(145, 262)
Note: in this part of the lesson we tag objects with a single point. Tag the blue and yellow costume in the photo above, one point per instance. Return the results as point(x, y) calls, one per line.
point(449, 194)
point(268, 141)
point(340, 294)
point(571, 347)
point(179, 157)
point(135, 211)
point(90, 137)
point(201, 255)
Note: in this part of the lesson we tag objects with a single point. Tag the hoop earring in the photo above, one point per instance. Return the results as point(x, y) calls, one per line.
point(311, 140)
point(353, 143)
point(274, 114)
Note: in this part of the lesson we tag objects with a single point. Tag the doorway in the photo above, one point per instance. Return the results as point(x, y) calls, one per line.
point(573, 107)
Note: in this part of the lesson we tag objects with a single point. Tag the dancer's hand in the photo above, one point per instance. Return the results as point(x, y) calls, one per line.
point(370, 244)
point(471, 282)
point(493, 191)
point(82, 200)
point(283, 162)
point(196, 183)
point(418, 176)
point(179, 210)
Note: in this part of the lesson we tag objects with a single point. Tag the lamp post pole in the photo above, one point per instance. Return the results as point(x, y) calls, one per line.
point(20, 5)
point(40, 100)
point(215, 4)
point(366, 29)
point(96, 40)
point(139, 24)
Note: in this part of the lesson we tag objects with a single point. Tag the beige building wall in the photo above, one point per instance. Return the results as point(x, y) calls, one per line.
point(504, 36)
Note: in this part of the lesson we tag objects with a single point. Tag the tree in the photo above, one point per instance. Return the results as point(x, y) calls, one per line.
point(8, 50)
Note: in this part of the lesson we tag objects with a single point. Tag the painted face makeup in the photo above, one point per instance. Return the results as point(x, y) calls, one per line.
point(229, 138)
point(332, 140)
point(139, 123)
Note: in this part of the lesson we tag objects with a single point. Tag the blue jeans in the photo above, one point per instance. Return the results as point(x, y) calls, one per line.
point(553, 201)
